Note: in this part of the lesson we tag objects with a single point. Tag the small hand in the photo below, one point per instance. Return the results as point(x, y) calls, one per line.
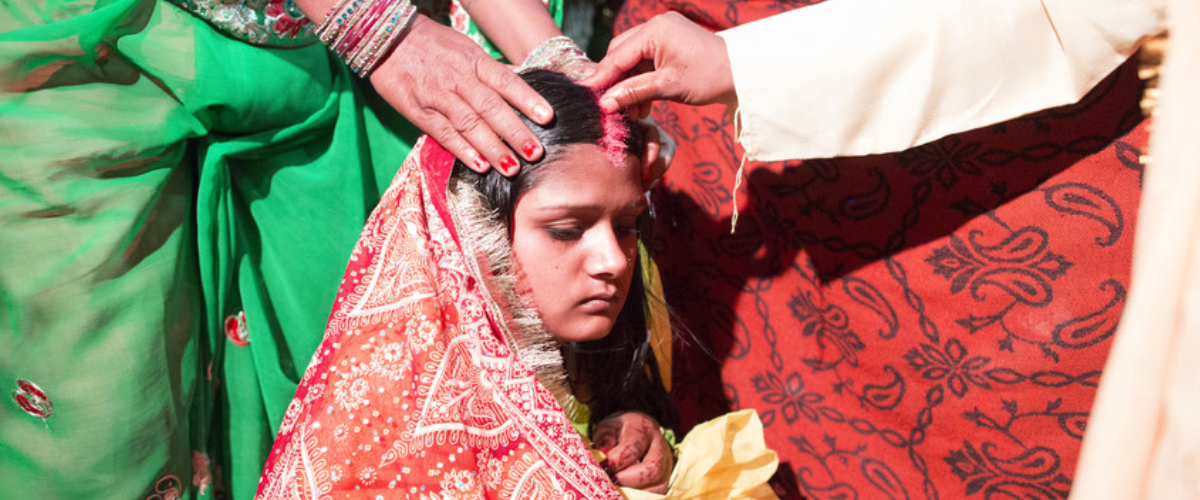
point(638, 455)
point(669, 58)
point(448, 87)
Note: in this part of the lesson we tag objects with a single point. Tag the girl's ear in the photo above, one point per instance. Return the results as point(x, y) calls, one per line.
point(660, 149)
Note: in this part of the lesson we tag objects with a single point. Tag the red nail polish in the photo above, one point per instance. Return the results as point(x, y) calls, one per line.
point(508, 164)
point(480, 163)
point(530, 148)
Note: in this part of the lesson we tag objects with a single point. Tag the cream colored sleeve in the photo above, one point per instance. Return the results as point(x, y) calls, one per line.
point(855, 77)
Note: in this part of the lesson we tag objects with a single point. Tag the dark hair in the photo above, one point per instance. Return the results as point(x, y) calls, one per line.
point(620, 369)
point(577, 120)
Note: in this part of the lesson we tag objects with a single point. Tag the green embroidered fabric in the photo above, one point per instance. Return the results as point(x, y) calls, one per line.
point(275, 23)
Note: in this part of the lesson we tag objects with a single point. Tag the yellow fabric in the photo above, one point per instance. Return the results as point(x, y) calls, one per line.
point(580, 414)
point(724, 458)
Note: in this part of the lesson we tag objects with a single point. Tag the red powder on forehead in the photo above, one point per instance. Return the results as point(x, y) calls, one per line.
point(615, 133)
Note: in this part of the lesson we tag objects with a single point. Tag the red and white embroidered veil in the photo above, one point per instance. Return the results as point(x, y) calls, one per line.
point(417, 390)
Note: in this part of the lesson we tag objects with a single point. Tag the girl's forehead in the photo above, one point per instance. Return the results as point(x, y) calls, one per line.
point(586, 163)
point(584, 174)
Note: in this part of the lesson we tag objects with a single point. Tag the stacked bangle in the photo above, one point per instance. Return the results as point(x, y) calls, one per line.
point(362, 33)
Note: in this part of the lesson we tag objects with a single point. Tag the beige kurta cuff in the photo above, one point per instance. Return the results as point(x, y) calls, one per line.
point(855, 77)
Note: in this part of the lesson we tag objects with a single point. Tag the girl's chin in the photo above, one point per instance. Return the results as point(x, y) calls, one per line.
point(582, 329)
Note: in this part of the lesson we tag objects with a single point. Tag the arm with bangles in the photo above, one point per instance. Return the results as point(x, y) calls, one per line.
point(437, 78)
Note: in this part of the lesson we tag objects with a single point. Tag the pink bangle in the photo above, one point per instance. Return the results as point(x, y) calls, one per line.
point(361, 27)
point(362, 32)
point(393, 29)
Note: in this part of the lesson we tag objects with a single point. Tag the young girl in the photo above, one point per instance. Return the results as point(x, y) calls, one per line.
point(479, 316)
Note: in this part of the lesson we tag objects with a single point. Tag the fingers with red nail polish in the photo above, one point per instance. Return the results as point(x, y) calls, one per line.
point(480, 164)
point(447, 86)
point(531, 150)
point(508, 165)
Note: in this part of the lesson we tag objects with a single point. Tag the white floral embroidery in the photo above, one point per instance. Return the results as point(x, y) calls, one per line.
point(459, 480)
point(422, 332)
point(350, 392)
point(367, 475)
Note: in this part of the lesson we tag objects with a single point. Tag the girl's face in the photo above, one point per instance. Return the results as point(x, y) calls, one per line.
point(574, 240)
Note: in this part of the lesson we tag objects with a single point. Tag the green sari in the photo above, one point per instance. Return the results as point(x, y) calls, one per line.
point(178, 199)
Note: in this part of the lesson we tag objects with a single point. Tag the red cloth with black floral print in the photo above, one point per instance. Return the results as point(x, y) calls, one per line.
point(927, 324)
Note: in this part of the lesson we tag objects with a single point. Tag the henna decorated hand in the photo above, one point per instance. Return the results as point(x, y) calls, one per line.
point(638, 455)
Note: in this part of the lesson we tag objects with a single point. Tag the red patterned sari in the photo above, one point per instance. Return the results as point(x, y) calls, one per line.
point(418, 388)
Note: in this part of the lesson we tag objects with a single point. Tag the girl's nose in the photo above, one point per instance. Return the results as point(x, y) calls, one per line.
point(607, 258)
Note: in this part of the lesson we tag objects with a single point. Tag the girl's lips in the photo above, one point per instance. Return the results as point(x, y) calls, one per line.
point(598, 303)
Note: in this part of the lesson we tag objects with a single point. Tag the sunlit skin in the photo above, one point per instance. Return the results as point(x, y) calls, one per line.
point(575, 238)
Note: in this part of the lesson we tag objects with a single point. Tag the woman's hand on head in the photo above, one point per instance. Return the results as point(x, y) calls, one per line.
point(668, 57)
point(449, 88)
point(638, 456)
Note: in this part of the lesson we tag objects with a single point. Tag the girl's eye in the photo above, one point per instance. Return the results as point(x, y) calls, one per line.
point(628, 226)
point(564, 234)
point(630, 230)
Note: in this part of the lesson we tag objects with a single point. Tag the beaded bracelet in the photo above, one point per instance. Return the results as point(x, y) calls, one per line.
point(339, 17)
point(395, 24)
point(553, 54)
point(360, 25)
point(362, 33)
